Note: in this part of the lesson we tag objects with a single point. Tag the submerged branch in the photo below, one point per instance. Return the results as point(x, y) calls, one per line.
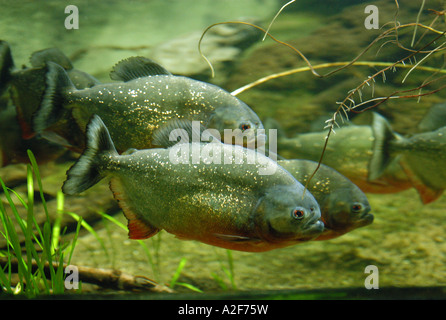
point(105, 278)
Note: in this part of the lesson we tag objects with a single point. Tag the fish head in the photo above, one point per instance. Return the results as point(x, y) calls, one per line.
point(238, 124)
point(345, 210)
point(288, 215)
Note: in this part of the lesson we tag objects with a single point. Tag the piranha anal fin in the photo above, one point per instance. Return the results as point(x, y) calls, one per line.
point(138, 229)
point(136, 67)
point(427, 195)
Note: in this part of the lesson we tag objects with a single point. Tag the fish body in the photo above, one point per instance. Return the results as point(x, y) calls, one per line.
point(226, 205)
point(423, 157)
point(349, 152)
point(149, 97)
point(344, 207)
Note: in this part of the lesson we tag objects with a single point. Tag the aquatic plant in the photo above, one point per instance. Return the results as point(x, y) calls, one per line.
point(40, 267)
point(226, 270)
point(153, 256)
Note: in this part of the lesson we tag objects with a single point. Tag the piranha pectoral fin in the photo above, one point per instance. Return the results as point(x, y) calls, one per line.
point(186, 131)
point(138, 229)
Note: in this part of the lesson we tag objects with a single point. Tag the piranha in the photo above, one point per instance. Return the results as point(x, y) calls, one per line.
point(423, 157)
point(344, 207)
point(149, 97)
point(349, 152)
point(227, 205)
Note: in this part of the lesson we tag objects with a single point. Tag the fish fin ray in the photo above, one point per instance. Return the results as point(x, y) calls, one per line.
point(186, 130)
point(381, 157)
point(51, 109)
point(85, 172)
point(138, 229)
point(136, 67)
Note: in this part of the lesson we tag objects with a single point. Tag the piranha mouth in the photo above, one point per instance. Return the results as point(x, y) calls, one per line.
point(365, 219)
point(309, 231)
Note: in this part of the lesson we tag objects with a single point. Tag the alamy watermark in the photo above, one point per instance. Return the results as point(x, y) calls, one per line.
point(372, 280)
point(72, 20)
point(215, 152)
point(72, 279)
point(372, 20)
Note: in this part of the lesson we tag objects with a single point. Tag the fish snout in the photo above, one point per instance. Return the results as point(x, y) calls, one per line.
point(313, 226)
point(366, 218)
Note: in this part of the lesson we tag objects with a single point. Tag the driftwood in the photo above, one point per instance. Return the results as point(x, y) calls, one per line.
point(105, 278)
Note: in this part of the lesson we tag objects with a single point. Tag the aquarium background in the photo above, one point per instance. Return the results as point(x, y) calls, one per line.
point(406, 240)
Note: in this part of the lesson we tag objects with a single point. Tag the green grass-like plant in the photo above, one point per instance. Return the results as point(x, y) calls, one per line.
point(153, 258)
point(228, 270)
point(40, 260)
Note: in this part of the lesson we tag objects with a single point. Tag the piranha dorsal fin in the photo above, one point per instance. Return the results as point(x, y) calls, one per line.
point(40, 58)
point(136, 67)
point(187, 130)
point(381, 157)
point(138, 229)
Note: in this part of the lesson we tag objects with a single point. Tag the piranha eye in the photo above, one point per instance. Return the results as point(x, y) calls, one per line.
point(298, 213)
point(356, 207)
point(245, 126)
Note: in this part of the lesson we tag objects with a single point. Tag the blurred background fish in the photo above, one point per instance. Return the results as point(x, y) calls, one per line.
point(26, 89)
point(349, 152)
point(422, 155)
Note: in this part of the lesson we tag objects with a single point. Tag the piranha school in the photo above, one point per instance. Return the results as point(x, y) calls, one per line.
point(261, 152)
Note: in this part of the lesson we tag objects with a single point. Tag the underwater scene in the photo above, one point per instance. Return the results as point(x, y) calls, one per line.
point(197, 149)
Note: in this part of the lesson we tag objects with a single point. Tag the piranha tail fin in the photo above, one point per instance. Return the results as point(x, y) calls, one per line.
point(6, 65)
point(51, 108)
point(381, 156)
point(85, 172)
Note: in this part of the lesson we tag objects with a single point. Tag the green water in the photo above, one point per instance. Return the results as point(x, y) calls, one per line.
point(406, 241)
